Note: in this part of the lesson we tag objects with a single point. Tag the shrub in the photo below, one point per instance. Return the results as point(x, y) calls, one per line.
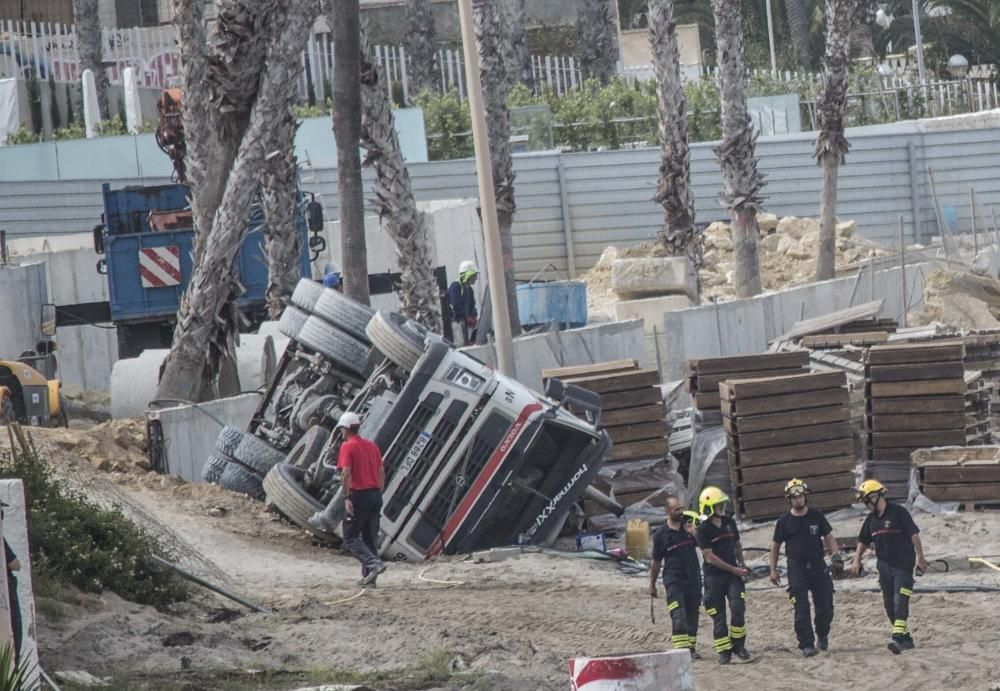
point(75, 542)
point(22, 136)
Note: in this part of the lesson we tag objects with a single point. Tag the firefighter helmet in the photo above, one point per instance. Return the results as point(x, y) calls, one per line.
point(710, 498)
point(795, 487)
point(870, 487)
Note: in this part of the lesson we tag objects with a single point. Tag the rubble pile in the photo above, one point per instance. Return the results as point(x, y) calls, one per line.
point(117, 446)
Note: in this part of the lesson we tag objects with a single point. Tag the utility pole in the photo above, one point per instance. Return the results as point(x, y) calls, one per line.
point(920, 42)
point(770, 38)
point(487, 202)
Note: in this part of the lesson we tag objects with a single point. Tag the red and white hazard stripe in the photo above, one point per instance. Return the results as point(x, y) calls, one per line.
point(160, 267)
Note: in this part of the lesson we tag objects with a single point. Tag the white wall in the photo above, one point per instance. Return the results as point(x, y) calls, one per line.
point(22, 292)
point(15, 532)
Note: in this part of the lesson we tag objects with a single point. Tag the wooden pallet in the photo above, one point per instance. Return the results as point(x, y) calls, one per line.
point(704, 375)
point(834, 341)
point(962, 474)
point(772, 508)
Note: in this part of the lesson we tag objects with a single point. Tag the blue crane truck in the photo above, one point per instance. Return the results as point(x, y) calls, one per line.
point(146, 237)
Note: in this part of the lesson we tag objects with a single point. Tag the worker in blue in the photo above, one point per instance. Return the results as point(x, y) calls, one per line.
point(462, 297)
point(331, 277)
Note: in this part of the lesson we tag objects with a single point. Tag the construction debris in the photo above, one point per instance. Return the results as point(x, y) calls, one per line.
point(778, 428)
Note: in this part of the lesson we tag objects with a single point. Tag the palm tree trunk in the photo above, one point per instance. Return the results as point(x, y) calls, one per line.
point(742, 182)
point(673, 190)
point(798, 27)
point(519, 61)
point(205, 332)
point(279, 193)
point(347, 131)
point(597, 40)
point(489, 42)
point(420, 46)
point(831, 144)
point(90, 42)
point(394, 199)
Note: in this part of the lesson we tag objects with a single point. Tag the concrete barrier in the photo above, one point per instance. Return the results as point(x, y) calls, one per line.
point(15, 534)
point(186, 434)
point(134, 381)
point(22, 292)
point(668, 671)
point(594, 343)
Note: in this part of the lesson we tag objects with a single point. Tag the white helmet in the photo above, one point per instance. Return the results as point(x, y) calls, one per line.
point(466, 267)
point(349, 420)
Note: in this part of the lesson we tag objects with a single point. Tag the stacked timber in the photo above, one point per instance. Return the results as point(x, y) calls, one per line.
point(978, 409)
point(858, 339)
point(778, 428)
point(870, 325)
point(915, 397)
point(959, 474)
point(632, 410)
point(703, 376)
point(982, 354)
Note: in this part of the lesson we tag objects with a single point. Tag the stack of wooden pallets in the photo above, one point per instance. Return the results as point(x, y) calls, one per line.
point(959, 474)
point(703, 376)
point(778, 428)
point(978, 409)
point(914, 398)
point(870, 325)
point(632, 409)
point(838, 341)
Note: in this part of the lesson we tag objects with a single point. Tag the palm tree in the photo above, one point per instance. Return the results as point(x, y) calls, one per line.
point(279, 195)
point(519, 69)
point(208, 316)
point(394, 199)
point(674, 188)
point(742, 182)
point(487, 16)
point(597, 42)
point(831, 144)
point(347, 131)
point(797, 15)
point(87, 15)
point(420, 46)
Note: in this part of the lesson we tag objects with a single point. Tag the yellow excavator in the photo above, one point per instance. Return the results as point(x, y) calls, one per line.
point(30, 391)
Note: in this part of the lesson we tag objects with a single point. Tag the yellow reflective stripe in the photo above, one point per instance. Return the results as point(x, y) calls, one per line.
point(681, 641)
point(671, 606)
point(723, 644)
point(711, 611)
point(737, 631)
point(792, 598)
point(905, 591)
point(744, 595)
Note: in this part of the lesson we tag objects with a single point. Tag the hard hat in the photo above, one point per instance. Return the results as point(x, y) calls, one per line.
point(331, 280)
point(467, 267)
point(331, 268)
point(795, 487)
point(710, 498)
point(349, 420)
point(870, 487)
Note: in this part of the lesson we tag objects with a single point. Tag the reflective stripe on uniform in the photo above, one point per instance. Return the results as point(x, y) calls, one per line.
point(744, 595)
point(723, 644)
point(681, 641)
point(792, 598)
point(737, 632)
point(712, 611)
point(905, 591)
point(899, 626)
point(671, 606)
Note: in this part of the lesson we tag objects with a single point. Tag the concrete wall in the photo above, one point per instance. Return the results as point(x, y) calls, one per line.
point(189, 434)
point(15, 533)
point(22, 293)
point(747, 326)
point(595, 343)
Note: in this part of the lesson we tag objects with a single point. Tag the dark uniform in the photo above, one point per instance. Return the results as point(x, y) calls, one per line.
point(15, 603)
point(678, 552)
point(807, 572)
point(892, 533)
point(721, 585)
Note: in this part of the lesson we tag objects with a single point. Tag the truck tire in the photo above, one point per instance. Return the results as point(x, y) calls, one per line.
point(257, 455)
point(308, 448)
point(284, 492)
point(344, 313)
point(236, 478)
point(306, 294)
point(211, 472)
point(227, 441)
point(291, 321)
point(389, 333)
point(347, 351)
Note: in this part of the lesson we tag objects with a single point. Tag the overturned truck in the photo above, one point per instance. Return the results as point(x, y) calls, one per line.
point(473, 459)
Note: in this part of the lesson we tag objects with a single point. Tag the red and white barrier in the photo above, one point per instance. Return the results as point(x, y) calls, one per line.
point(667, 671)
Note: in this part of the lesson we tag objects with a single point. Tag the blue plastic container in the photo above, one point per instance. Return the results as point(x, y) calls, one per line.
point(563, 302)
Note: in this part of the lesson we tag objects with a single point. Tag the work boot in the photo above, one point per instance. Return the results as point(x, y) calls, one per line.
point(823, 643)
point(374, 573)
point(742, 652)
point(695, 655)
point(907, 644)
point(809, 652)
point(895, 645)
point(726, 657)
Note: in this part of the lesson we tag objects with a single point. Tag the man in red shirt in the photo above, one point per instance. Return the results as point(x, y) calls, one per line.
point(362, 478)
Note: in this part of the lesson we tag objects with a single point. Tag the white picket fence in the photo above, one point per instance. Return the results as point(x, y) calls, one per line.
point(46, 48)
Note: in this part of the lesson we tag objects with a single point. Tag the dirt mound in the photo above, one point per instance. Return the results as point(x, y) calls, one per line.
point(959, 300)
point(117, 446)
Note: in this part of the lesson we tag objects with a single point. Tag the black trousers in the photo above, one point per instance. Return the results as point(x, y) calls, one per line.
point(15, 615)
point(805, 578)
point(683, 601)
point(361, 527)
point(720, 587)
point(897, 587)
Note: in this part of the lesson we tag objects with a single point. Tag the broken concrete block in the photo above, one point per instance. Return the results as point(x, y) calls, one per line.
point(786, 244)
point(640, 672)
point(770, 243)
point(651, 310)
point(647, 277)
point(797, 227)
point(767, 223)
point(845, 229)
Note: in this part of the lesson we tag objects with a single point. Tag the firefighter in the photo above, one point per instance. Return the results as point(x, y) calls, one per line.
point(724, 569)
point(675, 547)
point(462, 297)
point(898, 550)
point(804, 531)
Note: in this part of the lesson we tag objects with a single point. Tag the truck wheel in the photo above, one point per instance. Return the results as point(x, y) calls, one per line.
point(333, 343)
point(227, 441)
point(257, 455)
point(291, 321)
point(285, 493)
point(308, 448)
point(389, 333)
point(211, 472)
point(306, 294)
point(344, 313)
point(237, 478)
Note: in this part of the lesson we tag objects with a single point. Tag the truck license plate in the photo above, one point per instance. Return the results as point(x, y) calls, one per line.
point(415, 451)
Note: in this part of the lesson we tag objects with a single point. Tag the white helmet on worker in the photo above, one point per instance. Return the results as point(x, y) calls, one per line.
point(349, 420)
point(467, 267)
